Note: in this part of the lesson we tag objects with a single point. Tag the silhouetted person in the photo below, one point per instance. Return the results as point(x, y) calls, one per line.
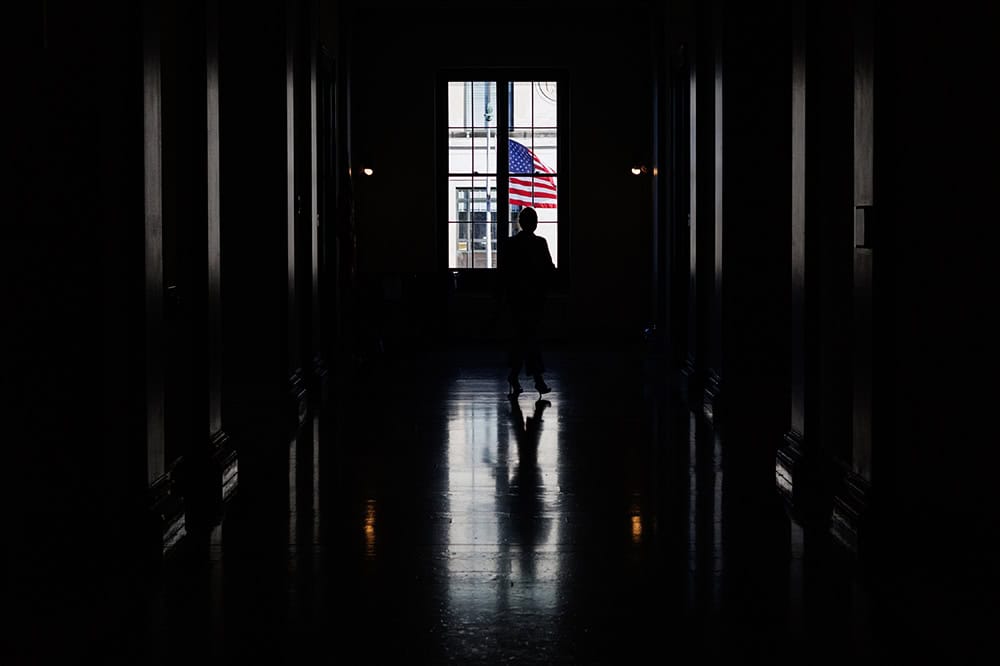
point(525, 267)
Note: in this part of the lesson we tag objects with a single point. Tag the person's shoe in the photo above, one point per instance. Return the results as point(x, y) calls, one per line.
point(541, 386)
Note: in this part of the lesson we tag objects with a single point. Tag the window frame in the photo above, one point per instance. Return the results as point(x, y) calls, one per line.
point(502, 77)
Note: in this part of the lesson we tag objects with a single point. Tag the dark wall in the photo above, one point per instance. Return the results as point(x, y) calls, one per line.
point(257, 265)
point(756, 209)
point(78, 441)
point(936, 142)
point(938, 190)
point(830, 220)
point(607, 55)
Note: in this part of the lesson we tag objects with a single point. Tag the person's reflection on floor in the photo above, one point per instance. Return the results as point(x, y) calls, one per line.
point(529, 524)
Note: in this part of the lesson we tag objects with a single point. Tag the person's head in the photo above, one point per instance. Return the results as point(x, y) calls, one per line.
point(527, 219)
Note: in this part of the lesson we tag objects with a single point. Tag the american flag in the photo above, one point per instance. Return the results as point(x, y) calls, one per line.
point(535, 191)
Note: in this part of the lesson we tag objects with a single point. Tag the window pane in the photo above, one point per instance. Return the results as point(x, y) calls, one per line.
point(522, 102)
point(534, 149)
point(456, 104)
point(534, 104)
point(480, 104)
point(459, 203)
point(472, 140)
point(472, 245)
point(472, 234)
point(532, 176)
point(459, 248)
point(472, 151)
point(484, 151)
point(545, 94)
point(459, 150)
point(550, 232)
point(545, 215)
point(538, 192)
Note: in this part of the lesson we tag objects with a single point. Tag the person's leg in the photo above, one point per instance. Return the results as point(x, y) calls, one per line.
point(514, 364)
point(515, 356)
point(533, 355)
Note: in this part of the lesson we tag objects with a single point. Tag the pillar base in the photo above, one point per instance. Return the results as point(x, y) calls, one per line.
point(689, 381)
point(318, 389)
point(227, 461)
point(849, 513)
point(167, 519)
point(298, 399)
point(802, 482)
point(711, 406)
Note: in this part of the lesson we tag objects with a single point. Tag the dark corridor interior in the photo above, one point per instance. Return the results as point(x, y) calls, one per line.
point(425, 517)
point(255, 396)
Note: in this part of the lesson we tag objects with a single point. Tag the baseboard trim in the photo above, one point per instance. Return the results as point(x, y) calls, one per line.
point(802, 479)
point(711, 404)
point(689, 384)
point(319, 374)
point(167, 516)
point(849, 512)
point(298, 393)
point(225, 457)
point(788, 462)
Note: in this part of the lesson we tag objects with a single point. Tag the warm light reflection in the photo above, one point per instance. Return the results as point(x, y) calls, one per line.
point(368, 171)
point(636, 516)
point(636, 529)
point(370, 528)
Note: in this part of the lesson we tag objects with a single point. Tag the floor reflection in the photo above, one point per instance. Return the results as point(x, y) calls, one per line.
point(447, 523)
point(502, 564)
point(525, 520)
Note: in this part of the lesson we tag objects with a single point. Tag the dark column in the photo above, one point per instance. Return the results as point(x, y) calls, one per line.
point(751, 240)
point(678, 206)
point(221, 450)
point(328, 288)
point(84, 312)
point(691, 376)
point(705, 133)
point(709, 193)
point(165, 494)
point(307, 221)
point(662, 274)
point(264, 381)
point(738, 253)
point(818, 439)
point(201, 451)
point(934, 342)
point(681, 72)
point(851, 496)
point(796, 473)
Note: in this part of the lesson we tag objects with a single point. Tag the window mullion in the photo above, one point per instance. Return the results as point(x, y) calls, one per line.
point(503, 161)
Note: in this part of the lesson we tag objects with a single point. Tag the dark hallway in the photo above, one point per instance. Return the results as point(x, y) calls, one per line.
point(425, 517)
point(264, 276)
point(420, 520)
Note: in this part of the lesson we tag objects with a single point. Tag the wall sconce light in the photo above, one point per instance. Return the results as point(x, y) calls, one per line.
point(639, 169)
point(368, 171)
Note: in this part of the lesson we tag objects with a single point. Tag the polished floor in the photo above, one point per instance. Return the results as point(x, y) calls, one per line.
point(424, 517)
